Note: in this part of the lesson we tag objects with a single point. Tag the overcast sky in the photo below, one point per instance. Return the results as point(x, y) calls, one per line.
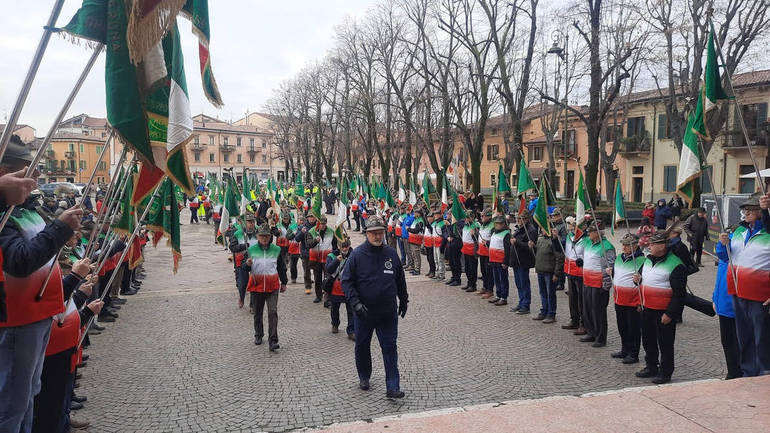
point(255, 44)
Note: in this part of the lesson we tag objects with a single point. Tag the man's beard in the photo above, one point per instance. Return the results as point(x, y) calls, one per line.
point(377, 243)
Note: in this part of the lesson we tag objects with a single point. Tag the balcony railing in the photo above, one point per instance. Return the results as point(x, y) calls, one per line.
point(635, 144)
point(197, 147)
point(226, 148)
point(50, 153)
point(69, 154)
point(735, 140)
point(253, 149)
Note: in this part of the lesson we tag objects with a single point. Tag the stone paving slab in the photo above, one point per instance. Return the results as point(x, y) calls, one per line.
point(181, 356)
point(741, 405)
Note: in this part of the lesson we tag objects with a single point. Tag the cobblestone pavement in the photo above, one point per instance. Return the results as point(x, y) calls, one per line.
point(181, 356)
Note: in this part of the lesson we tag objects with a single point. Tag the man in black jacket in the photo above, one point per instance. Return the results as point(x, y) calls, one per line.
point(697, 229)
point(304, 251)
point(522, 259)
point(372, 280)
point(663, 283)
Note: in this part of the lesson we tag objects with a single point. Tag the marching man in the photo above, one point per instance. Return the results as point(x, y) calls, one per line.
point(266, 278)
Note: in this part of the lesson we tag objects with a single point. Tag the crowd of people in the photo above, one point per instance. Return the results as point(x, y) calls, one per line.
point(646, 275)
point(63, 273)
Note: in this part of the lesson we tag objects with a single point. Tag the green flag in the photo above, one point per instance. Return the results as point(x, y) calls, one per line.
point(230, 208)
point(502, 180)
point(245, 193)
point(316, 210)
point(691, 160)
point(620, 208)
point(426, 186)
point(299, 189)
point(540, 216)
point(164, 220)
point(127, 221)
point(198, 13)
point(458, 213)
point(525, 179)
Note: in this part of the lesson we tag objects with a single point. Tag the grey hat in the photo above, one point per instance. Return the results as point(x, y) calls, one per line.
point(659, 237)
point(17, 151)
point(374, 222)
point(499, 219)
point(752, 202)
point(345, 243)
point(250, 217)
point(322, 220)
point(487, 212)
point(629, 239)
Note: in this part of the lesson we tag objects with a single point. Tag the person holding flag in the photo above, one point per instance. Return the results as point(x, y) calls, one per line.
point(301, 238)
point(522, 259)
point(573, 249)
point(470, 239)
point(626, 296)
point(415, 238)
point(335, 263)
point(320, 241)
point(597, 261)
point(427, 243)
point(267, 276)
point(286, 230)
point(241, 238)
point(485, 233)
point(499, 257)
point(440, 233)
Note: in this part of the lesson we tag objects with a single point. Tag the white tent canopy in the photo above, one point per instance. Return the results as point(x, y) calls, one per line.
point(764, 173)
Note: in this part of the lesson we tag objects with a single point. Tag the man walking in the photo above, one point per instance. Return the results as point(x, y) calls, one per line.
point(697, 229)
point(372, 280)
point(266, 278)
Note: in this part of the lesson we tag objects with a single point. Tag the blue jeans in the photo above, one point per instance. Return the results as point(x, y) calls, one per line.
point(402, 249)
point(547, 294)
point(336, 302)
point(521, 277)
point(241, 281)
point(752, 324)
point(22, 352)
point(500, 277)
point(386, 326)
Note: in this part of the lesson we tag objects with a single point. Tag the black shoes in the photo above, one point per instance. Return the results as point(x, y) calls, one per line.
point(257, 340)
point(660, 380)
point(470, 289)
point(570, 325)
point(395, 394)
point(455, 283)
point(316, 300)
point(539, 317)
point(96, 327)
point(363, 385)
point(618, 355)
point(274, 347)
point(630, 359)
point(647, 372)
point(76, 406)
point(106, 319)
point(588, 339)
point(78, 399)
point(599, 344)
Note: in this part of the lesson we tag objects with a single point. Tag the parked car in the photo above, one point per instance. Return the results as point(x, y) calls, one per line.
point(49, 189)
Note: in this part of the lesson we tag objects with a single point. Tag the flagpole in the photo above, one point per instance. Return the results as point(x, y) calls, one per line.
point(30, 77)
point(738, 112)
point(550, 226)
point(122, 256)
point(86, 189)
point(722, 225)
point(108, 205)
point(593, 217)
point(44, 146)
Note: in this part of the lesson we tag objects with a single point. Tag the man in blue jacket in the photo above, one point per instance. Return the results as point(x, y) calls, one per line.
point(723, 305)
point(372, 279)
point(405, 224)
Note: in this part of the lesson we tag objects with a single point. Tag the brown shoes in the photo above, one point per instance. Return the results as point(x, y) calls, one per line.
point(501, 302)
point(487, 295)
point(580, 331)
point(335, 329)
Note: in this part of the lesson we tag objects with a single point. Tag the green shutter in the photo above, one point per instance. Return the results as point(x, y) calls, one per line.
point(662, 126)
point(761, 114)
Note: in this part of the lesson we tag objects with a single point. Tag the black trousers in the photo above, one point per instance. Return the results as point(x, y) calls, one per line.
point(471, 269)
point(293, 267)
point(125, 283)
point(258, 300)
point(486, 273)
point(696, 250)
point(306, 273)
point(336, 302)
point(318, 277)
point(595, 301)
point(431, 260)
point(630, 329)
point(453, 255)
point(49, 414)
point(730, 347)
point(357, 219)
point(658, 339)
point(575, 293)
point(193, 215)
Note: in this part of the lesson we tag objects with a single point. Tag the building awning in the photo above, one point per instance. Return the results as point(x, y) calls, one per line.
point(763, 173)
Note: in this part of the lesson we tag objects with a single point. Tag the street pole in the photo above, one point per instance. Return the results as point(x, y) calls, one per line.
point(566, 113)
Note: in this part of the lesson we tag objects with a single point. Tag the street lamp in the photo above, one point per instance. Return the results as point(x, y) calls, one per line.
point(563, 52)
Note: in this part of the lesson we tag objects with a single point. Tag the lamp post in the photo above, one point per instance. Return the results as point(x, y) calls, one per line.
point(563, 52)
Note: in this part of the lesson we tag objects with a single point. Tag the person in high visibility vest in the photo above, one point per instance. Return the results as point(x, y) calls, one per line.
point(663, 288)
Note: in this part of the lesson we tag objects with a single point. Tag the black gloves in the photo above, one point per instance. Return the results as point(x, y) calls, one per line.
point(402, 308)
point(361, 311)
point(579, 262)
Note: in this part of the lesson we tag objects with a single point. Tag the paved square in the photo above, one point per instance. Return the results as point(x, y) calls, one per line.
point(181, 356)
